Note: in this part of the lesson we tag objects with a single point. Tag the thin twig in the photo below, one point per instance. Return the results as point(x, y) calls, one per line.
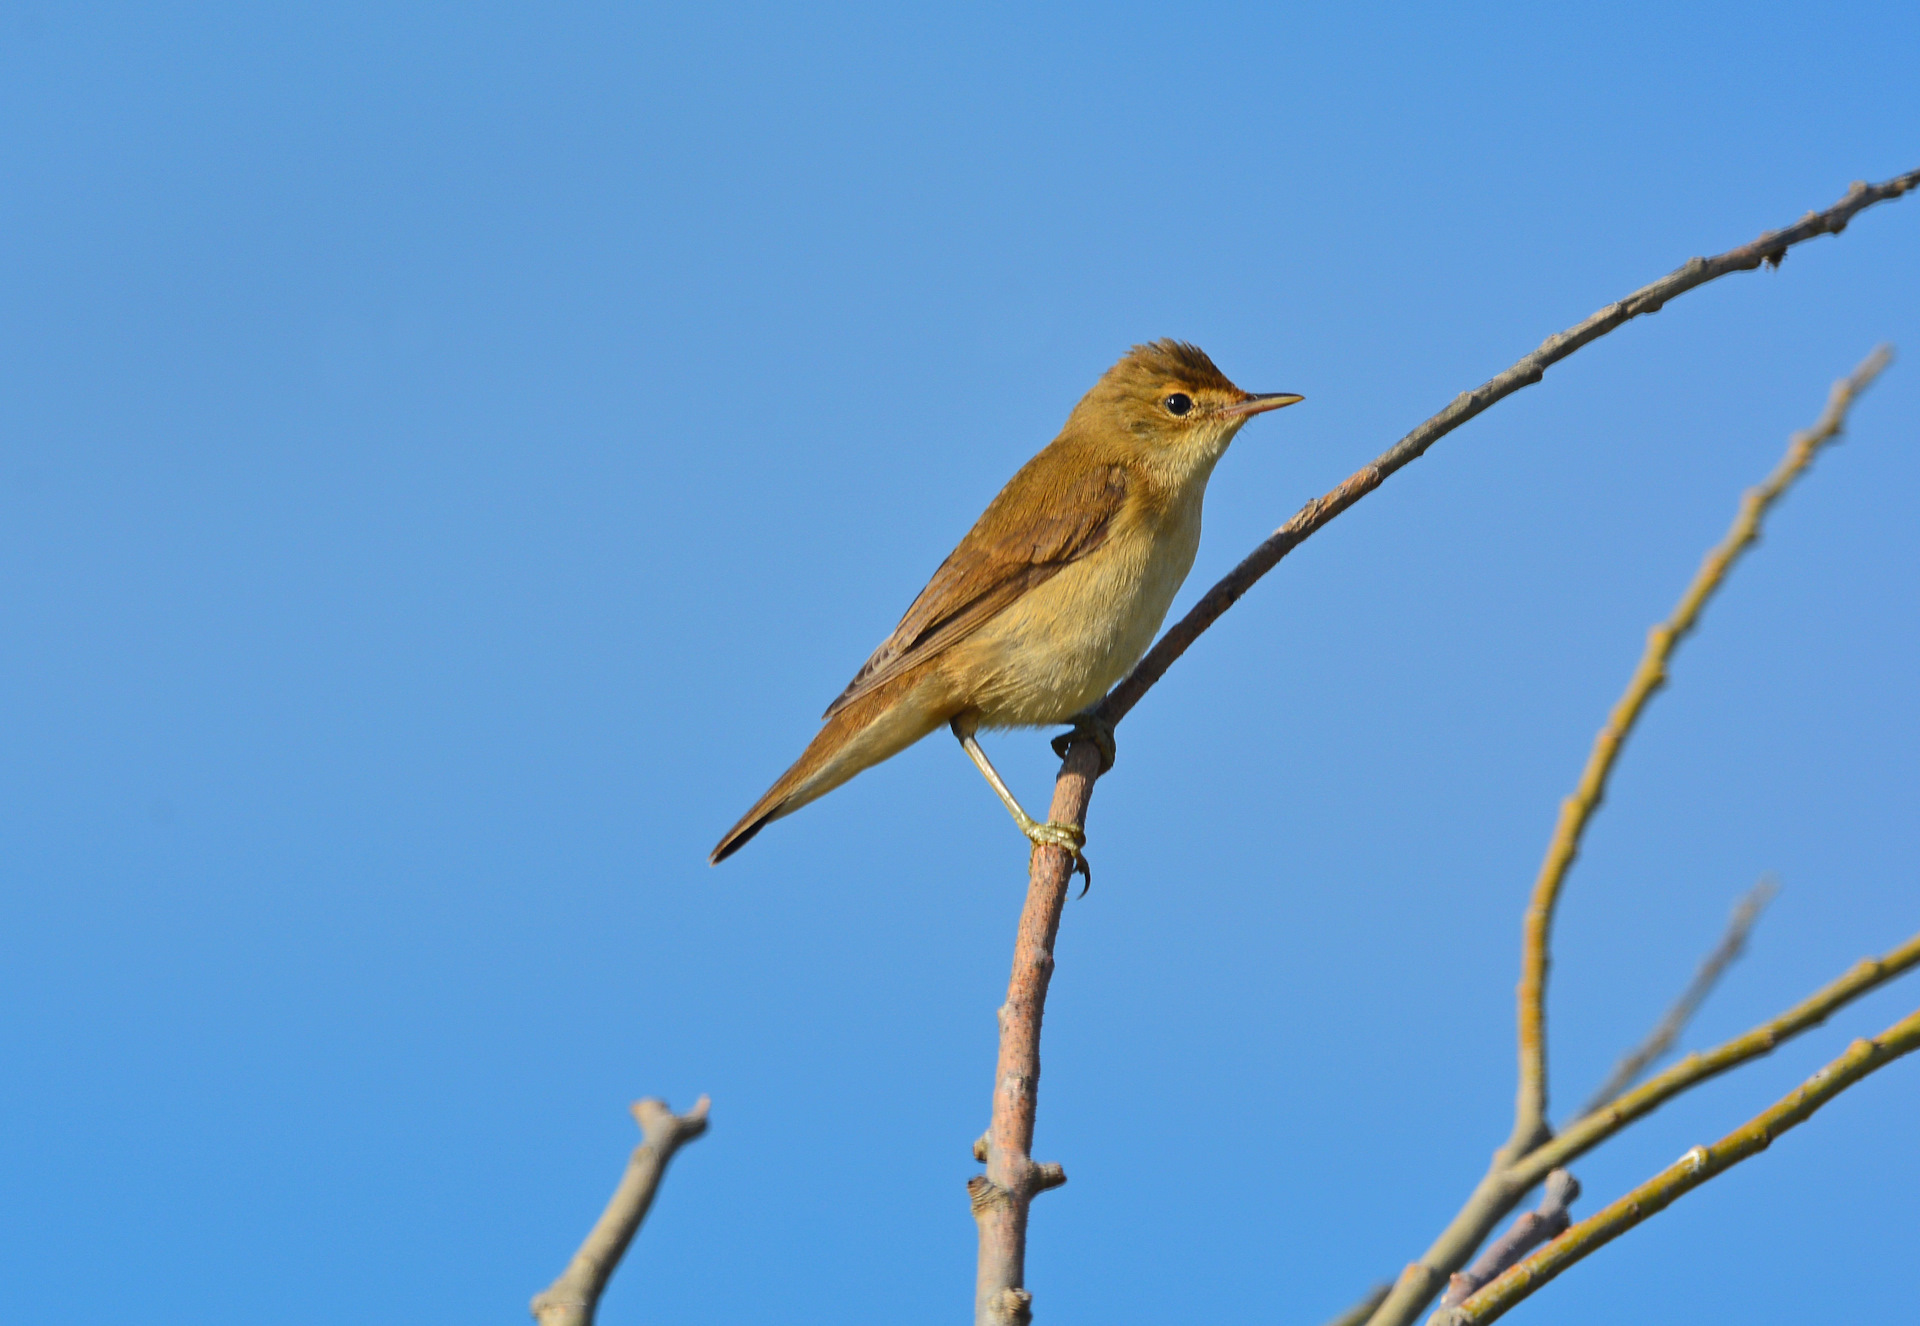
point(1003, 1195)
point(1650, 1051)
point(1576, 812)
point(575, 1296)
point(1684, 1175)
point(1523, 1159)
point(1549, 1220)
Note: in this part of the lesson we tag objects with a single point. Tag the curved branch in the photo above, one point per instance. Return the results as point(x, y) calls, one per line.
point(1576, 812)
point(1524, 1152)
point(1684, 1175)
point(575, 1296)
point(1769, 248)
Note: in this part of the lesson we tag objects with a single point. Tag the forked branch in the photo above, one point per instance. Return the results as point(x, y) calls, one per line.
point(1504, 1185)
point(1684, 1175)
point(1576, 812)
point(573, 1299)
point(1528, 1153)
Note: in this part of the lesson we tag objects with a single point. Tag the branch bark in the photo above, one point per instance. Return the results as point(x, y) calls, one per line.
point(1003, 1195)
point(573, 1299)
point(1684, 1175)
point(1521, 1161)
point(1654, 1048)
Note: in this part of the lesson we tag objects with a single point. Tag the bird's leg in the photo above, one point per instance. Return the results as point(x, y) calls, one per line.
point(1050, 832)
point(1088, 725)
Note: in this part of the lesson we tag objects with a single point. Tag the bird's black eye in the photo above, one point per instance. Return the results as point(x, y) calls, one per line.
point(1178, 403)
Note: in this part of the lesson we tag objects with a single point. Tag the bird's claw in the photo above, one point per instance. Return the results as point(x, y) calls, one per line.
point(1067, 837)
point(1091, 727)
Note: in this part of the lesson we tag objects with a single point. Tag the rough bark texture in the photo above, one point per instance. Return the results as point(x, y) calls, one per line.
point(1003, 1195)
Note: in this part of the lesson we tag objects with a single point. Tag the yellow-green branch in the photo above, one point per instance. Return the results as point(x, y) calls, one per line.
point(1576, 811)
point(1684, 1175)
point(1531, 1151)
point(1589, 1131)
point(1505, 1184)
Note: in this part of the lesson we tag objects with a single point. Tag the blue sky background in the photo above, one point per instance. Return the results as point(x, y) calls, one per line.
point(449, 455)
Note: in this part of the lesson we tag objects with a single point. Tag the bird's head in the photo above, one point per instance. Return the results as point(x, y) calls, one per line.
point(1168, 404)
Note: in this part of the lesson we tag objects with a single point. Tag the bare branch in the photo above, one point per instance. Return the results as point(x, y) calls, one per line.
point(1589, 1131)
point(1003, 1195)
point(1661, 1039)
point(1504, 1185)
point(1684, 1175)
point(1549, 1220)
point(575, 1296)
point(1771, 247)
point(1530, 1151)
point(1576, 812)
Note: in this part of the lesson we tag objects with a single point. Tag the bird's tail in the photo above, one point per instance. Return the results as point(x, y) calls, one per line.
point(879, 724)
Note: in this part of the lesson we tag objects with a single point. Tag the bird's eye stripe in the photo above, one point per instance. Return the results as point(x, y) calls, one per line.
point(1178, 403)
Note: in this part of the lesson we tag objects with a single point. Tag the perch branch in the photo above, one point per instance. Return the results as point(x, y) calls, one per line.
point(1504, 1185)
point(1002, 1196)
point(1684, 1175)
point(575, 1296)
point(1650, 1051)
point(1576, 812)
point(1530, 1152)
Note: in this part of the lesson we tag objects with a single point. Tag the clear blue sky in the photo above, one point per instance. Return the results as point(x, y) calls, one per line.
point(449, 455)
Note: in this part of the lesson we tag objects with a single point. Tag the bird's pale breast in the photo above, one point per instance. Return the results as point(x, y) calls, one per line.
point(1063, 644)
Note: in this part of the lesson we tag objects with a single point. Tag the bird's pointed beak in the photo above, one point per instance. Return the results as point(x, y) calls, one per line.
point(1260, 403)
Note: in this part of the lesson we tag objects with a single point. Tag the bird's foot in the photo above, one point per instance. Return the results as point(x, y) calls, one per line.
point(1091, 727)
point(1068, 837)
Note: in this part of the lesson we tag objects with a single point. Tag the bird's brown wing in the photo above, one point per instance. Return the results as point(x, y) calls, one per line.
point(1029, 533)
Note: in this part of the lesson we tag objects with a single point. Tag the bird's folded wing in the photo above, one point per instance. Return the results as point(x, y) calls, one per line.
point(1031, 532)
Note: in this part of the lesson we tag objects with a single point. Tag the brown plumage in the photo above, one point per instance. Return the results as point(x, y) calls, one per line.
point(1058, 588)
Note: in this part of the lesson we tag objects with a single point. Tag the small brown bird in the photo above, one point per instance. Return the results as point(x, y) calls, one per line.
point(1054, 594)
